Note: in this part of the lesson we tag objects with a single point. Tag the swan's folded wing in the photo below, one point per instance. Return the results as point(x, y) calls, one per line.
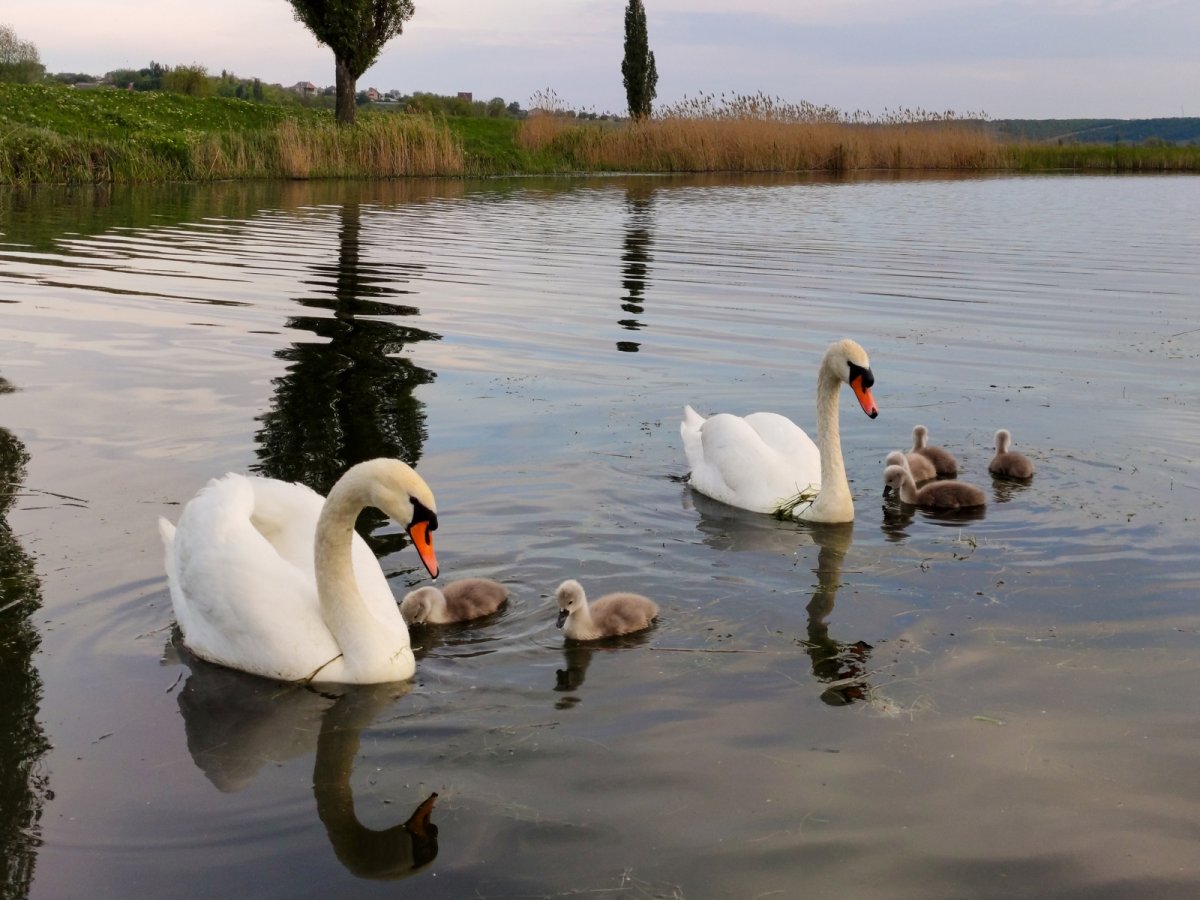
point(237, 601)
point(755, 462)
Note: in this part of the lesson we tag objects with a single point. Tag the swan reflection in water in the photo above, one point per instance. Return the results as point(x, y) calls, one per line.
point(839, 666)
point(577, 656)
point(237, 723)
point(898, 516)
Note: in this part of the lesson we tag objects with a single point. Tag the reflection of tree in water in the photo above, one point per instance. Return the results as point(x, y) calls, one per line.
point(238, 723)
point(348, 397)
point(635, 257)
point(23, 787)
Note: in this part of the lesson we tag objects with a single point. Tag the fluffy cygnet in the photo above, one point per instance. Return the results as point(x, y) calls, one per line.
point(935, 495)
point(611, 615)
point(458, 601)
point(943, 460)
point(1009, 463)
point(921, 468)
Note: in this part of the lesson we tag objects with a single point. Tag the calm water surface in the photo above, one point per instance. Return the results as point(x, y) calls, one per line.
point(909, 707)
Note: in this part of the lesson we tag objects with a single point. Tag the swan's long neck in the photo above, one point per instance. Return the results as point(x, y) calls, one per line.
point(367, 853)
point(834, 500)
point(357, 632)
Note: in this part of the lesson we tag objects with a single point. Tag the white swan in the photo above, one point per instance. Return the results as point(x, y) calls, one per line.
point(610, 616)
point(270, 578)
point(763, 461)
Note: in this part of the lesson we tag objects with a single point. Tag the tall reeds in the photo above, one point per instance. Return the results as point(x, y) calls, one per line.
point(761, 134)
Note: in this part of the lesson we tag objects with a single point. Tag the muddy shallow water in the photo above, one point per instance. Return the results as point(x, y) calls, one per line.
point(913, 706)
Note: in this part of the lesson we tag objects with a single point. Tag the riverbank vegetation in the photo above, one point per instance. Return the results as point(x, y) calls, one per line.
point(59, 134)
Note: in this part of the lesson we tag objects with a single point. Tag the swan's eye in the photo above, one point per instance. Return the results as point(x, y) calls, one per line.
point(422, 513)
point(856, 371)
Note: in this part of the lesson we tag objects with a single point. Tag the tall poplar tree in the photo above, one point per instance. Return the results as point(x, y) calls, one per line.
point(355, 30)
point(638, 70)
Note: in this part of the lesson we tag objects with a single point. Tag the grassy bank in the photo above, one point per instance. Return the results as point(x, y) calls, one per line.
point(62, 135)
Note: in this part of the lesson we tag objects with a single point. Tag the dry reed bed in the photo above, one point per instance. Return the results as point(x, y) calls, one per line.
point(756, 144)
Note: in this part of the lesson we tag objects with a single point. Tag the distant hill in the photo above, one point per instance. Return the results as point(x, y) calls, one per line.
point(1099, 131)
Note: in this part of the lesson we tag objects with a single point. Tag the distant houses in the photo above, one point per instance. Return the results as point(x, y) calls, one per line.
point(304, 88)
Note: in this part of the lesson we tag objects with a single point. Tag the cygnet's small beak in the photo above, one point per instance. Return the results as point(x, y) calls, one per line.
point(562, 617)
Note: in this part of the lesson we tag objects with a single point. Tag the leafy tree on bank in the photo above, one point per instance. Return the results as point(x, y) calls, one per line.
point(355, 30)
point(19, 61)
point(637, 68)
point(147, 79)
point(190, 80)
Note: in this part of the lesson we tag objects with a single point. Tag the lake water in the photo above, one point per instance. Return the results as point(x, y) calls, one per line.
point(910, 707)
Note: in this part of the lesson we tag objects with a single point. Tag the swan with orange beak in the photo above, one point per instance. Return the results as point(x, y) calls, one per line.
point(766, 463)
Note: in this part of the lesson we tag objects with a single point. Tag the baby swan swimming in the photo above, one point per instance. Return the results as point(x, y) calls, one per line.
point(611, 615)
point(458, 601)
point(943, 460)
point(936, 495)
point(921, 468)
point(1009, 463)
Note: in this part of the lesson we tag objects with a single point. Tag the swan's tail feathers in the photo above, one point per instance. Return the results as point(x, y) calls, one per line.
point(167, 531)
point(689, 432)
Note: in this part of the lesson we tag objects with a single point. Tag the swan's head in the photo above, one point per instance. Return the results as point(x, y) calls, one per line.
point(847, 361)
point(896, 458)
point(920, 435)
point(893, 480)
point(570, 597)
point(1003, 440)
point(417, 605)
point(403, 495)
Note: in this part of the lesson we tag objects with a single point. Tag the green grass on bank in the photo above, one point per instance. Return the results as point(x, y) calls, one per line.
point(57, 134)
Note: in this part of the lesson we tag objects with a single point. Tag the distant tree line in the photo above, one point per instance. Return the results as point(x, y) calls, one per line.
point(19, 60)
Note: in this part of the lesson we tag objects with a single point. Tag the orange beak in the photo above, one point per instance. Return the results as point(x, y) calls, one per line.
point(865, 400)
point(423, 541)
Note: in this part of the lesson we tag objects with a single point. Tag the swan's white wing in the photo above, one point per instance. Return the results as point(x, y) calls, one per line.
point(753, 462)
point(238, 601)
point(286, 514)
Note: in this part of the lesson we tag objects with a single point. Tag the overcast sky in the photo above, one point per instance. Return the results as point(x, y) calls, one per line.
point(1008, 58)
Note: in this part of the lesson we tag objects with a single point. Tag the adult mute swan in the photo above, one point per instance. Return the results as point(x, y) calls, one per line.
point(1008, 463)
point(764, 461)
point(270, 578)
point(610, 616)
